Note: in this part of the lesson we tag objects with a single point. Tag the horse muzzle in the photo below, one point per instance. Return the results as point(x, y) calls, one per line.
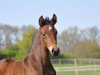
point(54, 50)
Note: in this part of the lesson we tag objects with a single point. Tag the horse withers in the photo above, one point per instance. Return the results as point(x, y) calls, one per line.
point(37, 62)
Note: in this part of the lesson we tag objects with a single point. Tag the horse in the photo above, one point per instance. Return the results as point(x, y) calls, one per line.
point(37, 62)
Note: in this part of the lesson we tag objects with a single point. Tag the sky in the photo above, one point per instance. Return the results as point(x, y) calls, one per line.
point(70, 13)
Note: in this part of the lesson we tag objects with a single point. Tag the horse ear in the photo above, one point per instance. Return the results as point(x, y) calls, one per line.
point(53, 20)
point(41, 21)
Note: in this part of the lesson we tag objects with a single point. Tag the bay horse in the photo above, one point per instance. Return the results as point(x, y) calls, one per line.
point(37, 62)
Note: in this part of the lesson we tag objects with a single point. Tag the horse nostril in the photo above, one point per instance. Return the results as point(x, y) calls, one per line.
point(55, 52)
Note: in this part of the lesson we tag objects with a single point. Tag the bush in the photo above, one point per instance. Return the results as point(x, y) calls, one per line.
point(67, 55)
point(9, 52)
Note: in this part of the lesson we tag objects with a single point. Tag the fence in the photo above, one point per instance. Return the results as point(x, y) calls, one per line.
point(76, 66)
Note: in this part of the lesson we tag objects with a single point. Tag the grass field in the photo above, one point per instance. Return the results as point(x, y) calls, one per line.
point(69, 69)
point(79, 73)
point(77, 67)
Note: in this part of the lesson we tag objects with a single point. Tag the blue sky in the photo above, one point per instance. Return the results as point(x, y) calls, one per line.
point(70, 13)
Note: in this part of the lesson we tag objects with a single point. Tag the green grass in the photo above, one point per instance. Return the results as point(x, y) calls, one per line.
point(62, 65)
point(73, 72)
point(79, 73)
point(70, 65)
point(65, 73)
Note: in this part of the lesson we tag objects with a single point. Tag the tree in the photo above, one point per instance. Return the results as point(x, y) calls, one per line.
point(8, 35)
point(68, 38)
point(26, 42)
point(87, 49)
point(83, 43)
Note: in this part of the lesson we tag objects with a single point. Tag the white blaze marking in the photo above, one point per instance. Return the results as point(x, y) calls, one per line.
point(50, 49)
point(50, 28)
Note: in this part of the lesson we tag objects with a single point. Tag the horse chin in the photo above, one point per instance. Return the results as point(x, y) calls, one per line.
point(54, 54)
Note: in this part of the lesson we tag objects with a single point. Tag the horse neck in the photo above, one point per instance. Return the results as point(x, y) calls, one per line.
point(39, 53)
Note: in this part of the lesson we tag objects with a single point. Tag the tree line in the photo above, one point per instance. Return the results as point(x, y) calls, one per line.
point(15, 42)
point(80, 43)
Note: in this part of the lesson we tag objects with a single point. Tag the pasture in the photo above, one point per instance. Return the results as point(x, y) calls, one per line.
point(77, 67)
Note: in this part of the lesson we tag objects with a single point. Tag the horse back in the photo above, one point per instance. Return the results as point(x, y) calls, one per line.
point(4, 63)
point(11, 67)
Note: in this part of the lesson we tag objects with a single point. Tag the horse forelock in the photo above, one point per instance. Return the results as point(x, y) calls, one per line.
point(47, 20)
